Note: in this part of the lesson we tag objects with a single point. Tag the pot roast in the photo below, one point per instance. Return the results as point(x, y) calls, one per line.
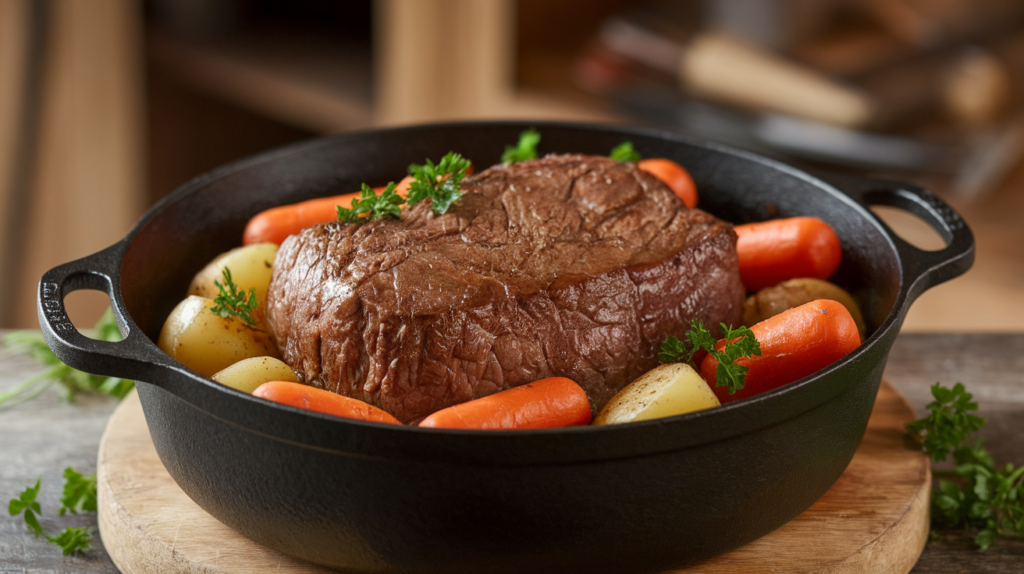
point(571, 265)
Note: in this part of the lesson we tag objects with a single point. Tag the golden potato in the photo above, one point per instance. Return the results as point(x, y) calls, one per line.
point(206, 342)
point(247, 374)
point(664, 391)
point(251, 267)
point(771, 301)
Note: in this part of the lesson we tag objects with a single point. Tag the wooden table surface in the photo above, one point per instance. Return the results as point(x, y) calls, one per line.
point(45, 435)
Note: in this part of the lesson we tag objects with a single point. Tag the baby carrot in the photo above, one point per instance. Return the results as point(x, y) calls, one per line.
point(321, 401)
point(794, 344)
point(674, 176)
point(277, 223)
point(547, 403)
point(773, 251)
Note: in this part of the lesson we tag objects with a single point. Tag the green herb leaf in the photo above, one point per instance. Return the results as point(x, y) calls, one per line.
point(949, 422)
point(740, 343)
point(232, 301)
point(625, 152)
point(438, 183)
point(526, 149)
point(72, 540)
point(26, 502)
point(79, 492)
point(387, 204)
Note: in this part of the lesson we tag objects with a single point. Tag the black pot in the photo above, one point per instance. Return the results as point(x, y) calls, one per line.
point(365, 497)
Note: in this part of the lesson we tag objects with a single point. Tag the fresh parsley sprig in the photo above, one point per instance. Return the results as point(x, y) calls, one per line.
point(739, 343)
point(376, 206)
point(79, 494)
point(975, 493)
point(71, 381)
point(625, 152)
point(525, 149)
point(438, 183)
point(234, 302)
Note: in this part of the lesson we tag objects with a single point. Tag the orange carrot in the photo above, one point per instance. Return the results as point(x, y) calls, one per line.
point(774, 251)
point(794, 344)
point(321, 401)
point(277, 223)
point(674, 176)
point(547, 403)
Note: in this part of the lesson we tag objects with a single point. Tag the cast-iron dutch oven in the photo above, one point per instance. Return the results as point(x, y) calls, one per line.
point(365, 497)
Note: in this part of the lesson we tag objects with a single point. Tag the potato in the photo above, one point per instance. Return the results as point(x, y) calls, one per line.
point(206, 342)
point(247, 374)
point(251, 267)
point(771, 301)
point(664, 391)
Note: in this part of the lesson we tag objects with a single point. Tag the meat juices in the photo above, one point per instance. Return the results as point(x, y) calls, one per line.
point(571, 265)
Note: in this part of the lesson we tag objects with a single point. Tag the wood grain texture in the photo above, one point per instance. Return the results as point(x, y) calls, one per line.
point(873, 520)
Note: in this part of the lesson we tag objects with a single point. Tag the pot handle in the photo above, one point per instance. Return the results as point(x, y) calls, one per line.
point(922, 269)
point(135, 357)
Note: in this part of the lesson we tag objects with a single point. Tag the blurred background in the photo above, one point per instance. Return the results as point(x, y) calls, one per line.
point(108, 105)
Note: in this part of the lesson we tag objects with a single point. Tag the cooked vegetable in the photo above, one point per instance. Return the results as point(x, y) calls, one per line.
point(625, 152)
point(975, 493)
point(314, 399)
point(525, 150)
point(773, 300)
point(794, 344)
point(251, 267)
point(206, 342)
point(664, 391)
point(674, 176)
point(438, 183)
point(234, 302)
point(277, 223)
point(247, 374)
point(547, 403)
point(774, 251)
point(372, 206)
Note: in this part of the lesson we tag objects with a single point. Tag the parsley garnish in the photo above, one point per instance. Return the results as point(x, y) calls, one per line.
point(72, 540)
point(26, 502)
point(526, 149)
point(79, 494)
point(232, 301)
point(32, 343)
point(740, 343)
point(387, 204)
point(975, 493)
point(625, 152)
point(439, 183)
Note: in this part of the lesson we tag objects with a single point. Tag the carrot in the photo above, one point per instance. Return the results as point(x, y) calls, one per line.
point(774, 251)
point(277, 223)
point(547, 403)
point(674, 176)
point(794, 344)
point(314, 399)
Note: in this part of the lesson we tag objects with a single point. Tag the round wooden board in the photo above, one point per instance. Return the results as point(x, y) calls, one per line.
point(873, 520)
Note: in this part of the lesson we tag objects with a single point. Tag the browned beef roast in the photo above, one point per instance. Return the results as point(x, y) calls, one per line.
point(570, 265)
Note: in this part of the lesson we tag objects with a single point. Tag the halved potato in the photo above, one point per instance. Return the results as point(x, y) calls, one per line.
point(247, 374)
point(251, 267)
point(771, 301)
point(664, 391)
point(206, 342)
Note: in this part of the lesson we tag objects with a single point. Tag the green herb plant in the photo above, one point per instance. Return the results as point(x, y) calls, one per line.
point(974, 493)
point(70, 381)
point(438, 182)
point(234, 302)
point(387, 204)
point(740, 343)
point(525, 150)
point(79, 495)
point(625, 152)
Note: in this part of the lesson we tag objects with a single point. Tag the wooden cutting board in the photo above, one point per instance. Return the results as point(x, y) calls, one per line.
point(873, 520)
